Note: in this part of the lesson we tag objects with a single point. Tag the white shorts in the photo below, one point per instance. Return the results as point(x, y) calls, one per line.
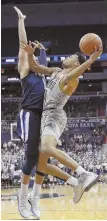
point(53, 123)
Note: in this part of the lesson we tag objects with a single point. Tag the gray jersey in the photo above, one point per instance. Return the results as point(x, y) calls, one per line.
point(54, 98)
point(54, 118)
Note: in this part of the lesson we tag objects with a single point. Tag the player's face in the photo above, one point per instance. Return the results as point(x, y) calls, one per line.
point(71, 62)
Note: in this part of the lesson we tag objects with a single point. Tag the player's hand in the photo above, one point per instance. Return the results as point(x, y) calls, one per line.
point(96, 54)
point(29, 48)
point(39, 45)
point(20, 14)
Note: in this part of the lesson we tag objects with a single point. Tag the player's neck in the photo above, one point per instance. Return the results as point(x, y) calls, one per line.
point(68, 69)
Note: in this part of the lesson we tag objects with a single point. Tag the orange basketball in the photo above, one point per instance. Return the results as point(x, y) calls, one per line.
point(88, 42)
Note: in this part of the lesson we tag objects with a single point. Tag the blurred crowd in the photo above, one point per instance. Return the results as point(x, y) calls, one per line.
point(90, 107)
point(11, 110)
point(86, 149)
point(12, 161)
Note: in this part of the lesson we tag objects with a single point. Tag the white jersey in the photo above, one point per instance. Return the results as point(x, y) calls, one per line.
point(54, 98)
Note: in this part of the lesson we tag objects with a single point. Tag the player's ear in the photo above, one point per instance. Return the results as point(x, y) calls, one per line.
point(77, 64)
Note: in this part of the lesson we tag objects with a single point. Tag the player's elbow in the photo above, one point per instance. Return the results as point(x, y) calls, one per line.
point(36, 69)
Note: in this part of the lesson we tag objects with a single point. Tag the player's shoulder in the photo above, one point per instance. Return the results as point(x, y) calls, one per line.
point(57, 69)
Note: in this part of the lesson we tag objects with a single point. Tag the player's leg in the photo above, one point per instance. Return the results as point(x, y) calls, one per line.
point(48, 147)
point(49, 169)
point(42, 169)
point(29, 131)
point(29, 164)
point(51, 131)
point(52, 126)
point(46, 168)
point(86, 180)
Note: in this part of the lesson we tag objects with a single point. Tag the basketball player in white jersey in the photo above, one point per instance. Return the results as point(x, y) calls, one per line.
point(61, 86)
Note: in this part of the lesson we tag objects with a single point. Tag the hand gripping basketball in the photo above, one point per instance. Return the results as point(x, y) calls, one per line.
point(96, 54)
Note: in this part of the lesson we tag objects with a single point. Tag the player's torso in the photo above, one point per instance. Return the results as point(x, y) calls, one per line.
point(68, 89)
point(54, 98)
point(56, 94)
point(33, 88)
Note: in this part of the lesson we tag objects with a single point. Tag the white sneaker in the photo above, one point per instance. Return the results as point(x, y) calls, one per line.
point(86, 181)
point(34, 201)
point(23, 205)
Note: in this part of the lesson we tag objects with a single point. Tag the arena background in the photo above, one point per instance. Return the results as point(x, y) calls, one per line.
point(59, 25)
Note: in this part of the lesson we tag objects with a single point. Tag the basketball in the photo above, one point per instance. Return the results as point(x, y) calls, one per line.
point(88, 43)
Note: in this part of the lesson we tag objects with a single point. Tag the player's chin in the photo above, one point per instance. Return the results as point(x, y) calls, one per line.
point(65, 65)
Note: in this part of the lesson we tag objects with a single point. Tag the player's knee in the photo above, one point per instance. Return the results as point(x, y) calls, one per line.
point(45, 148)
point(49, 150)
point(30, 163)
point(41, 168)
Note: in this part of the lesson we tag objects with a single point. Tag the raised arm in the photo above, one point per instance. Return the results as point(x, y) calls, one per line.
point(74, 74)
point(23, 67)
point(33, 64)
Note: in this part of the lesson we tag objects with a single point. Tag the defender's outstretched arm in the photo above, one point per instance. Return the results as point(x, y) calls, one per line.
point(23, 66)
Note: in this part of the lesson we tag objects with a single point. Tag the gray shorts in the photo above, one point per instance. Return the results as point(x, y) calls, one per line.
point(53, 123)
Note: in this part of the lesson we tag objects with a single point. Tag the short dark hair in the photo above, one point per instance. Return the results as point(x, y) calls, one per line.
point(81, 57)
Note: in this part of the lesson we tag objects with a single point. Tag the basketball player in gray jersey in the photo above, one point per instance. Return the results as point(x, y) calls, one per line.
point(61, 86)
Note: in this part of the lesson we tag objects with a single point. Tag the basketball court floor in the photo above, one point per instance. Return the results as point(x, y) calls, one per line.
point(56, 204)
